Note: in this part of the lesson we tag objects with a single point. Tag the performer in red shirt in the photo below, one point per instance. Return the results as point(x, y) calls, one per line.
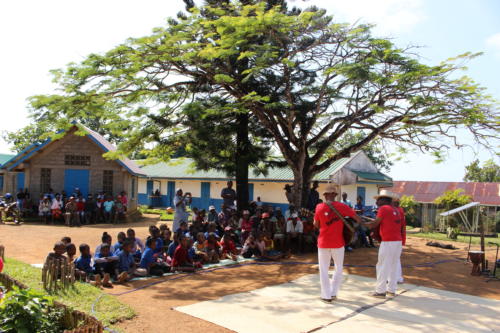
point(331, 241)
point(390, 221)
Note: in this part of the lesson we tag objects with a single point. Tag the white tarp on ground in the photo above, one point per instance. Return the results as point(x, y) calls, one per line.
point(295, 307)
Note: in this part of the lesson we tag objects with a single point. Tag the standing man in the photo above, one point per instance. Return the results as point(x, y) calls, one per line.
point(399, 270)
point(228, 194)
point(389, 219)
point(331, 241)
point(345, 201)
point(313, 198)
point(181, 214)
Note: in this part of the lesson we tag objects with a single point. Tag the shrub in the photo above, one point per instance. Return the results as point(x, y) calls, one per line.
point(27, 311)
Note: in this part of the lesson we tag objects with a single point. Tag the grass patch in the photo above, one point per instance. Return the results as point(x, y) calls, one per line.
point(164, 216)
point(461, 239)
point(108, 310)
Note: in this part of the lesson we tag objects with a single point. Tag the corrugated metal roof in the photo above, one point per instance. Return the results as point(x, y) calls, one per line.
point(485, 193)
point(5, 158)
point(184, 168)
point(375, 176)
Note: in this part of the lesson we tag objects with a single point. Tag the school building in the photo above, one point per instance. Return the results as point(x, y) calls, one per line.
point(69, 162)
point(357, 175)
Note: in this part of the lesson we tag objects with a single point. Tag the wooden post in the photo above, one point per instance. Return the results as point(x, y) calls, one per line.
point(481, 230)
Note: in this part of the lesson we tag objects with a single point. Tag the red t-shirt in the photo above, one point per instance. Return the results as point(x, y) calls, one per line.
point(390, 225)
point(331, 235)
point(228, 247)
point(181, 257)
point(403, 224)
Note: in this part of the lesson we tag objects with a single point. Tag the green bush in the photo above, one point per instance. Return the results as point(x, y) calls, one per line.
point(27, 311)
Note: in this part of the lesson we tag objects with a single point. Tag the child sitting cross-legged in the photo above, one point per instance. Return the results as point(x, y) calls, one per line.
point(200, 250)
point(266, 245)
point(251, 248)
point(59, 250)
point(71, 252)
point(118, 245)
point(126, 263)
point(228, 246)
point(85, 271)
point(149, 260)
point(213, 248)
point(105, 263)
point(181, 260)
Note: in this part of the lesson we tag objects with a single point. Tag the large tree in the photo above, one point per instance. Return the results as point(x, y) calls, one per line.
point(489, 172)
point(309, 81)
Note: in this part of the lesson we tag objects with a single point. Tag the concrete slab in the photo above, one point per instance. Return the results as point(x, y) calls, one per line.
point(295, 307)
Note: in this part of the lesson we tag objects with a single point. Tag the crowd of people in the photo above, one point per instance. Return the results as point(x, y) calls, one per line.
point(75, 209)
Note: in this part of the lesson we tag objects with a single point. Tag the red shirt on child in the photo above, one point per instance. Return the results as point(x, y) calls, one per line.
point(390, 224)
point(228, 247)
point(331, 235)
point(181, 257)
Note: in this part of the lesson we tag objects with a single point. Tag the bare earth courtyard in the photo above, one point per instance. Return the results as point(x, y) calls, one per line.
point(155, 305)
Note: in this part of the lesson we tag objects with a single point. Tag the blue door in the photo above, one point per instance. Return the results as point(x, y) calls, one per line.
point(250, 192)
point(20, 180)
point(361, 193)
point(149, 188)
point(205, 195)
point(170, 193)
point(76, 178)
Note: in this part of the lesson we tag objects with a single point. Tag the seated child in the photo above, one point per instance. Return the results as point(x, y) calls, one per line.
point(149, 260)
point(213, 248)
point(85, 271)
point(228, 246)
point(105, 239)
point(212, 228)
point(118, 245)
point(200, 251)
point(250, 248)
point(126, 264)
point(71, 252)
point(181, 261)
point(105, 262)
point(183, 227)
point(138, 246)
point(59, 250)
point(266, 245)
point(154, 233)
point(165, 235)
point(173, 246)
point(66, 240)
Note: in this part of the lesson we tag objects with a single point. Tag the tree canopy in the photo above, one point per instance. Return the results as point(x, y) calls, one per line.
point(488, 172)
point(311, 83)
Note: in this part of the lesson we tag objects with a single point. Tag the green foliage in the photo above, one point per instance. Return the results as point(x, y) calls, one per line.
point(29, 311)
point(164, 216)
point(409, 205)
point(308, 81)
point(489, 172)
point(453, 199)
point(109, 310)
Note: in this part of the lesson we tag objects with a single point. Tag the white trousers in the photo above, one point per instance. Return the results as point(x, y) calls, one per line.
point(399, 271)
point(389, 254)
point(330, 287)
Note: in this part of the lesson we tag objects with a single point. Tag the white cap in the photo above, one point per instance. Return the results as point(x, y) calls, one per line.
point(294, 215)
point(211, 208)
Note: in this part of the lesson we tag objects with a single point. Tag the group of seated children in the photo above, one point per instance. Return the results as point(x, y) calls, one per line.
point(129, 257)
point(76, 209)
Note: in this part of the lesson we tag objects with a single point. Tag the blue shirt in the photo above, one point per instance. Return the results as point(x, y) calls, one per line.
point(108, 206)
point(159, 245)
point(125, 261)
point(147, 258)
point(191, 252)
point(84, 264)
point(117, 247)
point(171, 249)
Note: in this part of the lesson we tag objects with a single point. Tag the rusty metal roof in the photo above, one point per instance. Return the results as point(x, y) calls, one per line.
point(485, 193)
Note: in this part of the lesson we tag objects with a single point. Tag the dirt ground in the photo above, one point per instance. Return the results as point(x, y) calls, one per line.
point(154, 304)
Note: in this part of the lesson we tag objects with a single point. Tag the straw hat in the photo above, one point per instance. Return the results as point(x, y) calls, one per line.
point(332, 188)
point(387, 194)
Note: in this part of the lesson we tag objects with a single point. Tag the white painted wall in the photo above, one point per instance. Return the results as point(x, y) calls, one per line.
point(269, 192)
point(352, 192)
point(193, 186)
point(142, 187)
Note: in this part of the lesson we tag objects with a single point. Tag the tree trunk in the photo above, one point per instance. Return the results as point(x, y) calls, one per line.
point(241, 163)
point(301, 186)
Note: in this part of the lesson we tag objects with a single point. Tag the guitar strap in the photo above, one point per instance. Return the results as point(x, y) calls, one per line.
point(346, 224)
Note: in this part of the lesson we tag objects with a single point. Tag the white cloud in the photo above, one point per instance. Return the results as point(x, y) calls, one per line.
point(390, 16)
point(493, 42)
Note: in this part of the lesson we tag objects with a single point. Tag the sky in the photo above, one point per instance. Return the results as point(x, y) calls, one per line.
point(37, 36)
